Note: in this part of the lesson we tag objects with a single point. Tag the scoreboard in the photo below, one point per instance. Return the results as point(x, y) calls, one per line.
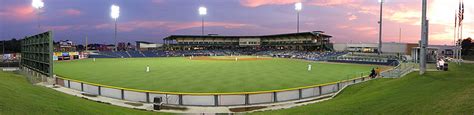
point(37, 53)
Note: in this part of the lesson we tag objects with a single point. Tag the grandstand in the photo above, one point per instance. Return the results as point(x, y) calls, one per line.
point(306, 45)
point(305, 41)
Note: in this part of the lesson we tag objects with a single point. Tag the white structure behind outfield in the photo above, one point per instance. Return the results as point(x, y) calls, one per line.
point(142, 45)
point(390, 48)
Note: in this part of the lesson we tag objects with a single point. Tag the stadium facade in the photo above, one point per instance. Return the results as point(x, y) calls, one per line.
point(305, 41)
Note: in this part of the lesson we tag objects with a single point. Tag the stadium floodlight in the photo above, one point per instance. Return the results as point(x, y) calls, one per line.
point(202, 12)
point(115, 13)
point(298, 8)
point(379, 51)
point(38, 4)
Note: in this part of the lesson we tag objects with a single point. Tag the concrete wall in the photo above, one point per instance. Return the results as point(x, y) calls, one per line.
point(208, 100)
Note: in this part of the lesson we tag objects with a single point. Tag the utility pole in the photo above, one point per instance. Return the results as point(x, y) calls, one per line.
point(3, 47)
point(400, 42)
point(115, 36)
point(202, 25)
point(86, 44)
point(424, 38)
point(298, 22)
point(380, 27)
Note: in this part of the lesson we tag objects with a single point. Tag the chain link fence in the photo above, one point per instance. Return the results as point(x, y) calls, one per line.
point(400, 70)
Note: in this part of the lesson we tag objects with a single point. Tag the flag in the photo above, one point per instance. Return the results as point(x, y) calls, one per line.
point(460, 14)
point(462, 11)
point(455, 19)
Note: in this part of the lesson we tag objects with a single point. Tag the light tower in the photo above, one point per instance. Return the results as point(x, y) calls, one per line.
point(379, 51)
point(115, 13)
point(202, 13)
point(298, 8)
point(38, 4)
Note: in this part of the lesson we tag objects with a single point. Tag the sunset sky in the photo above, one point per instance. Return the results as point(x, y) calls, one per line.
point(152, 20)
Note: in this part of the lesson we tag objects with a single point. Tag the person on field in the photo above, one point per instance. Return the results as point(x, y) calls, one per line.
point(147, 68)
point(377, 72)
point(309, 67)
point(372, 73)
point(441, 64)
point(438, 64)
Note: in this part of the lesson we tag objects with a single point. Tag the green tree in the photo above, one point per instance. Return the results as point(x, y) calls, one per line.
point(467, 46)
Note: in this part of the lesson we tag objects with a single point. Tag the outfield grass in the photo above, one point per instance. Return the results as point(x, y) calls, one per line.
point(434, 93)
point(17, 96)
point(184, 75)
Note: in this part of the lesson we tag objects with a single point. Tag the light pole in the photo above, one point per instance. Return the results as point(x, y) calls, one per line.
point(298, 8)
point(400, 43)
point(3, 47)
point(379, 51)
point(202, 13)
point(115, 13)
point(38, 4)
point(424, 38)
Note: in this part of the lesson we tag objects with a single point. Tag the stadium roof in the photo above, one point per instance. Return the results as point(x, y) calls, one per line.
point(313, 33)
point(145, 42)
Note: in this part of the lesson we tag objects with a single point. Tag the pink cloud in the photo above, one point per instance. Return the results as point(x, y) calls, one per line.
point(72, 12)
point(351, 17)
point(58, 28)
point(18, 13)
point(332, 2)
point(257, 3)
point(182, 26)
point(64, 27)
point(169, 25)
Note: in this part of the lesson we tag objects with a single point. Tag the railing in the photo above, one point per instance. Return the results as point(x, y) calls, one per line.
point(210, 99)
point(398, 71)
point(362, 60)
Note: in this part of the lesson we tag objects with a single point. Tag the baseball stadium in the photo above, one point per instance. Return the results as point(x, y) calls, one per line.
point(219, 70)
point(254, 67)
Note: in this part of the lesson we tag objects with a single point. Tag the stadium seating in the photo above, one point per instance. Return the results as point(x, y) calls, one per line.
point(150, 54)
point(307, 55)
point(135, 54)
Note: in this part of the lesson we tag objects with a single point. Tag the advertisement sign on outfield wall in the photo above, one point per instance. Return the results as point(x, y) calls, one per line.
point(58, 54)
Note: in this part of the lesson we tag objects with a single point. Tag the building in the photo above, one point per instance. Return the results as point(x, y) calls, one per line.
point(310, 41)
point(394, 48)
point(142, 45)
point(65, 46)
point(387, 48)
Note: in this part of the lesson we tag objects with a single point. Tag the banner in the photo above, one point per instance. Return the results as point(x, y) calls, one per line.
point(73, 53)
point(65, 54)
point(55, 58)
point(58, 54)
